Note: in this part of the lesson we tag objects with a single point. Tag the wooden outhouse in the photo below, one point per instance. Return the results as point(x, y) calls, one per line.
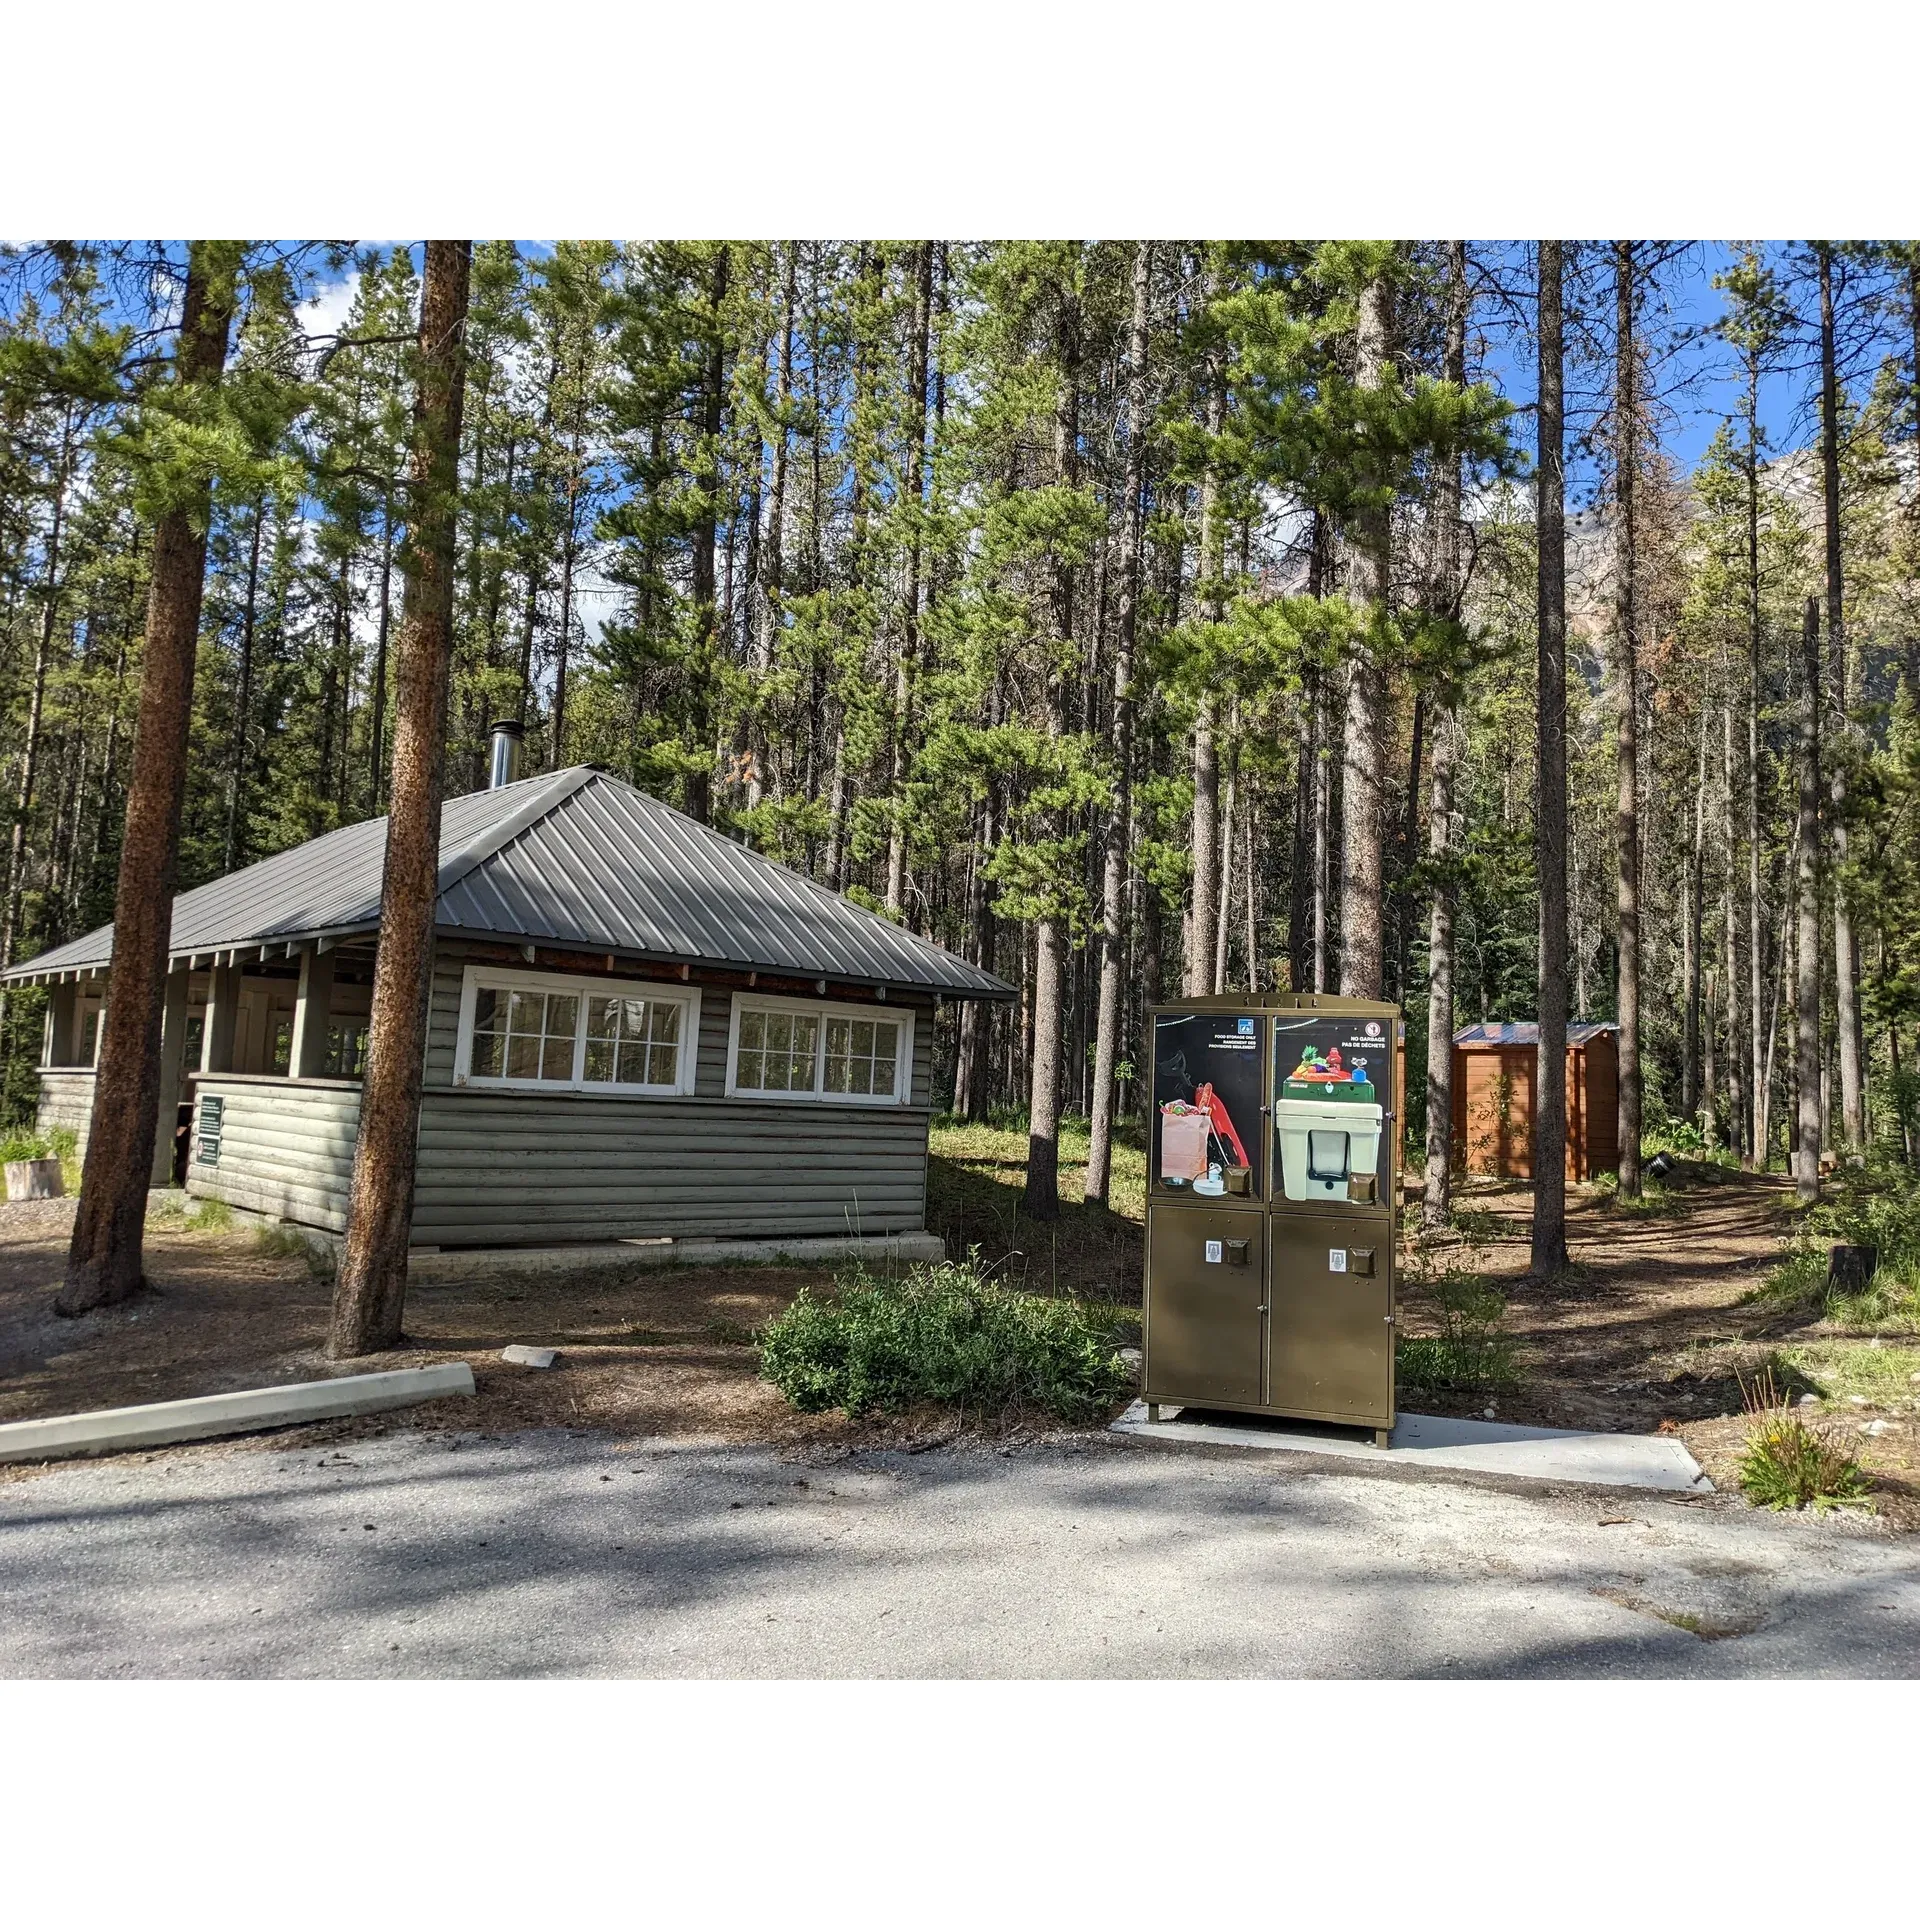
point(1493, 1099)
point(639, 1029)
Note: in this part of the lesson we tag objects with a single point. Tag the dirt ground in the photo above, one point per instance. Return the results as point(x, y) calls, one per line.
point(1648, 1334)
point(667, 1354)
point(1652, 1331)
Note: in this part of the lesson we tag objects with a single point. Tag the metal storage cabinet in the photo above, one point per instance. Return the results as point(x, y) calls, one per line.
point(1272, 1174)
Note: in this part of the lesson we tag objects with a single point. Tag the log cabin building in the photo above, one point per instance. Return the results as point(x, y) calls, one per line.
point(639, 1029)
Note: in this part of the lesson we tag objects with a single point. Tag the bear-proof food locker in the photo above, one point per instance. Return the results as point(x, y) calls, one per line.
point(1270, 1207)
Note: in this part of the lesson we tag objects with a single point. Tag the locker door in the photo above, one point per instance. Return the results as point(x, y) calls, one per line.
point(1204, 1287)
point(1331, 1342)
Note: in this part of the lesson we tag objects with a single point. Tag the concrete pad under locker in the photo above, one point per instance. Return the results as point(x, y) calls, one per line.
point(1469, 1446)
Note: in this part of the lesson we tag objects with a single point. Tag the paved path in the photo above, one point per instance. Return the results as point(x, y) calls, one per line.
point(548, 1554)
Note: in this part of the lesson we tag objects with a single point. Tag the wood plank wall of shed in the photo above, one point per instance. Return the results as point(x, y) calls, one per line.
point(1493, 1101)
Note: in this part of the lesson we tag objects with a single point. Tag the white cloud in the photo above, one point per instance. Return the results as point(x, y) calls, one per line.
point(326, 313)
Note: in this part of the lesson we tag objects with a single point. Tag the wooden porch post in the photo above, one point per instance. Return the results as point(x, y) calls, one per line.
point(62, 1048)
point(310, 1010)
point(223, 1015)
point(173, 1023)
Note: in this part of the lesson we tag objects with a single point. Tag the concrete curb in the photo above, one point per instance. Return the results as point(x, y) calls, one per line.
point(114, 1429)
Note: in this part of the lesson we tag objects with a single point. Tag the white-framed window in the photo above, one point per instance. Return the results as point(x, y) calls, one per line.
point(568, 1033)
point(793, 1049)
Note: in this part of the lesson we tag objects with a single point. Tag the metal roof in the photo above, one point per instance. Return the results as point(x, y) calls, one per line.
point(571, 859)
point(1526, 1033)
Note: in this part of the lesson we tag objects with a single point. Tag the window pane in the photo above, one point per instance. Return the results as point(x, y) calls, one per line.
point(599, 1060)
point(860, 1076)
point(523, 1058)
point(750, 1070)
point(661, 1065)
point(602, 1014)
point(883, 1082)
point(487, 1008)
point(488, 1052)
point(559, 1060)
point(664, 1024)
point(563, 1009)
point(633, 1065)
point(753, 1031)
point(523, 1011)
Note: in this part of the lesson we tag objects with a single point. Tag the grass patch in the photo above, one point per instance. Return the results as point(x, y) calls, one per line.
point(284, 1241)
point(210, 1216)
point(950, 1334)
point(1789, 1463)
point(1470, 1353)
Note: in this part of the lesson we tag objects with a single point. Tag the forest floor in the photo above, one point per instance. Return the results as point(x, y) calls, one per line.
point(1658, 1323)
point(1652, 1331)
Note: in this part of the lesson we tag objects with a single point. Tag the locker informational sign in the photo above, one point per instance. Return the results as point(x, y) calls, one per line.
point(1206, 1134)
point(1322, 1059)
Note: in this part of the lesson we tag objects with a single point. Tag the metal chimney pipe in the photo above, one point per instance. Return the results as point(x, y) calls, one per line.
point(507, 735)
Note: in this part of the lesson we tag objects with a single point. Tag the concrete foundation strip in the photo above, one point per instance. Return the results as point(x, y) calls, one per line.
point(116, 1429)
point(1470, 1446)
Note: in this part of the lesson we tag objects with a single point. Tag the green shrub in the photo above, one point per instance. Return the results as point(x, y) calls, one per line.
point(946, 1333)
point(1470, 1352)
point(1787, 1462)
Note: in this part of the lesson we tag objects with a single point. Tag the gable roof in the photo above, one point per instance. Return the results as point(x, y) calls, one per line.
point(569, 859)
point(1526, 1033)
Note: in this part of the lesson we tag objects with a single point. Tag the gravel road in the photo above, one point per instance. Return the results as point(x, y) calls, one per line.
point(546, 1553)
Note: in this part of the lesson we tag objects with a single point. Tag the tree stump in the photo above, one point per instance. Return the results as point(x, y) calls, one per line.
point(33, 1180)
point(1849, 1269)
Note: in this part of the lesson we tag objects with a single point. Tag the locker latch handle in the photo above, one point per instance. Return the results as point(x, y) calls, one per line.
point(1237, 1252)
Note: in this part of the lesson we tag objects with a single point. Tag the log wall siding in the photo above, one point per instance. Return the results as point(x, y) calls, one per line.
point(66, 1100)
point(286, 1148)
point(527, 1169)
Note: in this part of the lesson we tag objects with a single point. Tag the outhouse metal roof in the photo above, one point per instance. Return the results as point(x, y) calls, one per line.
point(574, 859)
point(1526, 1033)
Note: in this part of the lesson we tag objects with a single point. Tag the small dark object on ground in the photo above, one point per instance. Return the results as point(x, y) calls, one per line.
point(1850, 1269)
point(1663, 1166)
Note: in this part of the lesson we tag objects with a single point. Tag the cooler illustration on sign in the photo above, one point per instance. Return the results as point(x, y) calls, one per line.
point(1328, 1115)
point(1206, 1096)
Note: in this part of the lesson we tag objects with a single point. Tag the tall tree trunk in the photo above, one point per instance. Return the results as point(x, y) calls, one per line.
point(772, 558)
point(370, 1297)
point(1806, 1159)
point(1757, 1044)
point(1692, 927)
point(907, 665)
point(243, 698)
point(103, 1260)
point(1041, 1195)
point(1362, 931)
point(1119, 823)
point(1737, 1104)
point(378, 718)
point(1627, 693)
point(1550, 843)
point(1437, 1199)
point(698, 790)
point(1846, 964)
point(1203, 919)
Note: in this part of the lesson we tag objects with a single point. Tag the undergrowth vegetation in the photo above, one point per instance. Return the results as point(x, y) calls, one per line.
point(1471, 1352)
point(951, 1334)
point(1875, 1208)
point(1789, 1462)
